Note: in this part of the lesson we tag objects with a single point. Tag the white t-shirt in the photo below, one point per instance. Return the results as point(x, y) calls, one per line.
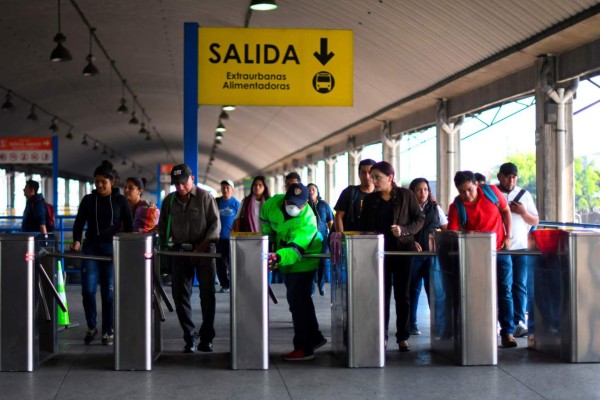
point(520, 228)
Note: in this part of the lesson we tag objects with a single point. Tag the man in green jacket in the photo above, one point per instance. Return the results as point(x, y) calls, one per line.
point(292, 228)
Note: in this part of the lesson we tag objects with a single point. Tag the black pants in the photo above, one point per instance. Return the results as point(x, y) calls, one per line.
point(306, 327)
point(397, 275)
point(223, 263)
point(183, 269)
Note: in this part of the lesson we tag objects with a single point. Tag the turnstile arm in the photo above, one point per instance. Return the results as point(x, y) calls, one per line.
point(45, 276)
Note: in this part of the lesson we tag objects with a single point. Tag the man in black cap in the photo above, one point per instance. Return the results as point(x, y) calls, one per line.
point(524, 216)
point(189, 219)
point(292, 227)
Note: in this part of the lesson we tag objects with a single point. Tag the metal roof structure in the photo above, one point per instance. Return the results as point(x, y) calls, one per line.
point(408, 54)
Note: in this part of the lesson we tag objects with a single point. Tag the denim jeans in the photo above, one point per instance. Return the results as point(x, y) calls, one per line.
point(223, 263)
point(505, 300)
point(397, 275)
point(304, 317)
point(419, 275)
point(91, 272)
point(183, 269)
point(519, 286)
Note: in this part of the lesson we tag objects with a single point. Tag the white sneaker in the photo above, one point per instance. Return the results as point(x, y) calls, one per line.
point(520, 329)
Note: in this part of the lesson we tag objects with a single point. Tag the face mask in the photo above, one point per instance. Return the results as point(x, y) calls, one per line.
point(292, 210)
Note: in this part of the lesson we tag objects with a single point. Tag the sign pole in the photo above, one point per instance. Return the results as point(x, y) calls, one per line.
point(55, 173)
point(190, 96)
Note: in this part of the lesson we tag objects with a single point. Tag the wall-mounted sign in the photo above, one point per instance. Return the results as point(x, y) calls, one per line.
point(275, 67)
point(25, 150)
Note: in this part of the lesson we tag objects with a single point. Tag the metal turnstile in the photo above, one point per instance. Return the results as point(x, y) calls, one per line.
point(357, 313)
point(567, 298)
point(19, 325)
point(133, 256)
point(249, 301)
point(464, 298)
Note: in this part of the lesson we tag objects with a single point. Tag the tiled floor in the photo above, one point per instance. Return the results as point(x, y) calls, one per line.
point(85, 372)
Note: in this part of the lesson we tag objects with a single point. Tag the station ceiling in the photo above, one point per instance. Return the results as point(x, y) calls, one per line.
point(407, 54)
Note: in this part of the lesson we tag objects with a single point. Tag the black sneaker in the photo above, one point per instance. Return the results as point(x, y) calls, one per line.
point(108, 339)
point(319, 344)
point(205, 347)
point(90, 335)
point(189, 348)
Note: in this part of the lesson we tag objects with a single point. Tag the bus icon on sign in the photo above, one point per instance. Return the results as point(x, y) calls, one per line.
point(323, 82)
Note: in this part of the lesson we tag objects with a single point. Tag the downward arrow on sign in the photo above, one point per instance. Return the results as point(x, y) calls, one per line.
point(323, 56)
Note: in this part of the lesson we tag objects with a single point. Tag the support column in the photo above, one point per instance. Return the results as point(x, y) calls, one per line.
point(554, 144)
point(329, 178)
point(353, 161)
point(280, 184)
point(448, 154)
point(391, 154)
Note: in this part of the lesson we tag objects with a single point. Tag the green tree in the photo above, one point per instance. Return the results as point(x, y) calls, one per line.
point(587, 186)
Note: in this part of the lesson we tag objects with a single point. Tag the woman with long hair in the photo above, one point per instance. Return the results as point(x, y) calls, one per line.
point(248, 217)
point(394, 212)
point(434, 219)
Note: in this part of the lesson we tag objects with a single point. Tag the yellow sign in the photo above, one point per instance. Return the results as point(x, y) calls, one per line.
point(275, 67)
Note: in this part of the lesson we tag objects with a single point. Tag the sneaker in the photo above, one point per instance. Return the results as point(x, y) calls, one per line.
point(403, 346)
point(190, 347)
point(108, 339)
point(205, 347)
point(322, 291)
point(520, 329)
point(414, 330)
point(509, 341)
point(298, 355)
point(224, 290)
point(320, 344)
point(90, 335)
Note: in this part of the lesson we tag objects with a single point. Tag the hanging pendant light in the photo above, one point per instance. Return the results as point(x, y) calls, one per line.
point(53, 127)
point(220, 127)
point(69, 134)
point(133, 120)
point(32, 115)
point(263, 5)
point(123, 107)
point(84, 141)
point(143, 129)
point(90, 69)
point(8, 104)
point(60, 53)
point(228, 108)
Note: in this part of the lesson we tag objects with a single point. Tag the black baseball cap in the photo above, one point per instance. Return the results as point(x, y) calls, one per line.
point(509, 169)
point(180, 173)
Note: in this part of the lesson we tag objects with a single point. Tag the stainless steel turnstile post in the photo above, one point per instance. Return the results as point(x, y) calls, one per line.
point(357, 313)
point(464, 298)
point(249, 301)
point(48, 328)
point(567, 298)
point(19, 340)
point(133, 256)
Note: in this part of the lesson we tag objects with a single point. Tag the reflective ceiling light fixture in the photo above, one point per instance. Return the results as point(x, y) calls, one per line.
point(69, 134)
point(60, 53)
point(219, 137)
point(90, 69)
point(228, 108)
point(221, 127)
point(134, 120)
point(263, 5)
point(224, 115)
point(96, 145)
point(8, 104)
point(148, 138)
point(84, 141)
point(53, 127)
point(32, 115)
point(123, 107)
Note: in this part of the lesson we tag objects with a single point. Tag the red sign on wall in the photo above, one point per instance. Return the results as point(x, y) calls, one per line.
point(165, 172)
point(26, 150)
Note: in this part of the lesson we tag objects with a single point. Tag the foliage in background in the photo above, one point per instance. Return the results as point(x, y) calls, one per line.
point(587, 180)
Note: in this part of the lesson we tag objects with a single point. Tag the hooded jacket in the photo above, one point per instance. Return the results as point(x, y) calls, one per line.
point(293, 236)
point(104, 216)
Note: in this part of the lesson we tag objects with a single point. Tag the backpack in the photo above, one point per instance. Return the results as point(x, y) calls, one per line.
point(50, 217)
point(460, 206)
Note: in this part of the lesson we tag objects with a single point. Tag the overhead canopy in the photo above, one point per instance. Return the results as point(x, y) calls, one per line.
point(407, 54)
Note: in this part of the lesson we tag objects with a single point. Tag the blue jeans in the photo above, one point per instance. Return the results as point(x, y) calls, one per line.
point(304, 317)
point(504, 279)
point(519, 286)
point(419, 275)
point(91, 271)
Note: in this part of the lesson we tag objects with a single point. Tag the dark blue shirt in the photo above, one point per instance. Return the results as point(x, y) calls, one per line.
point(34, 214)
point(324, 214)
